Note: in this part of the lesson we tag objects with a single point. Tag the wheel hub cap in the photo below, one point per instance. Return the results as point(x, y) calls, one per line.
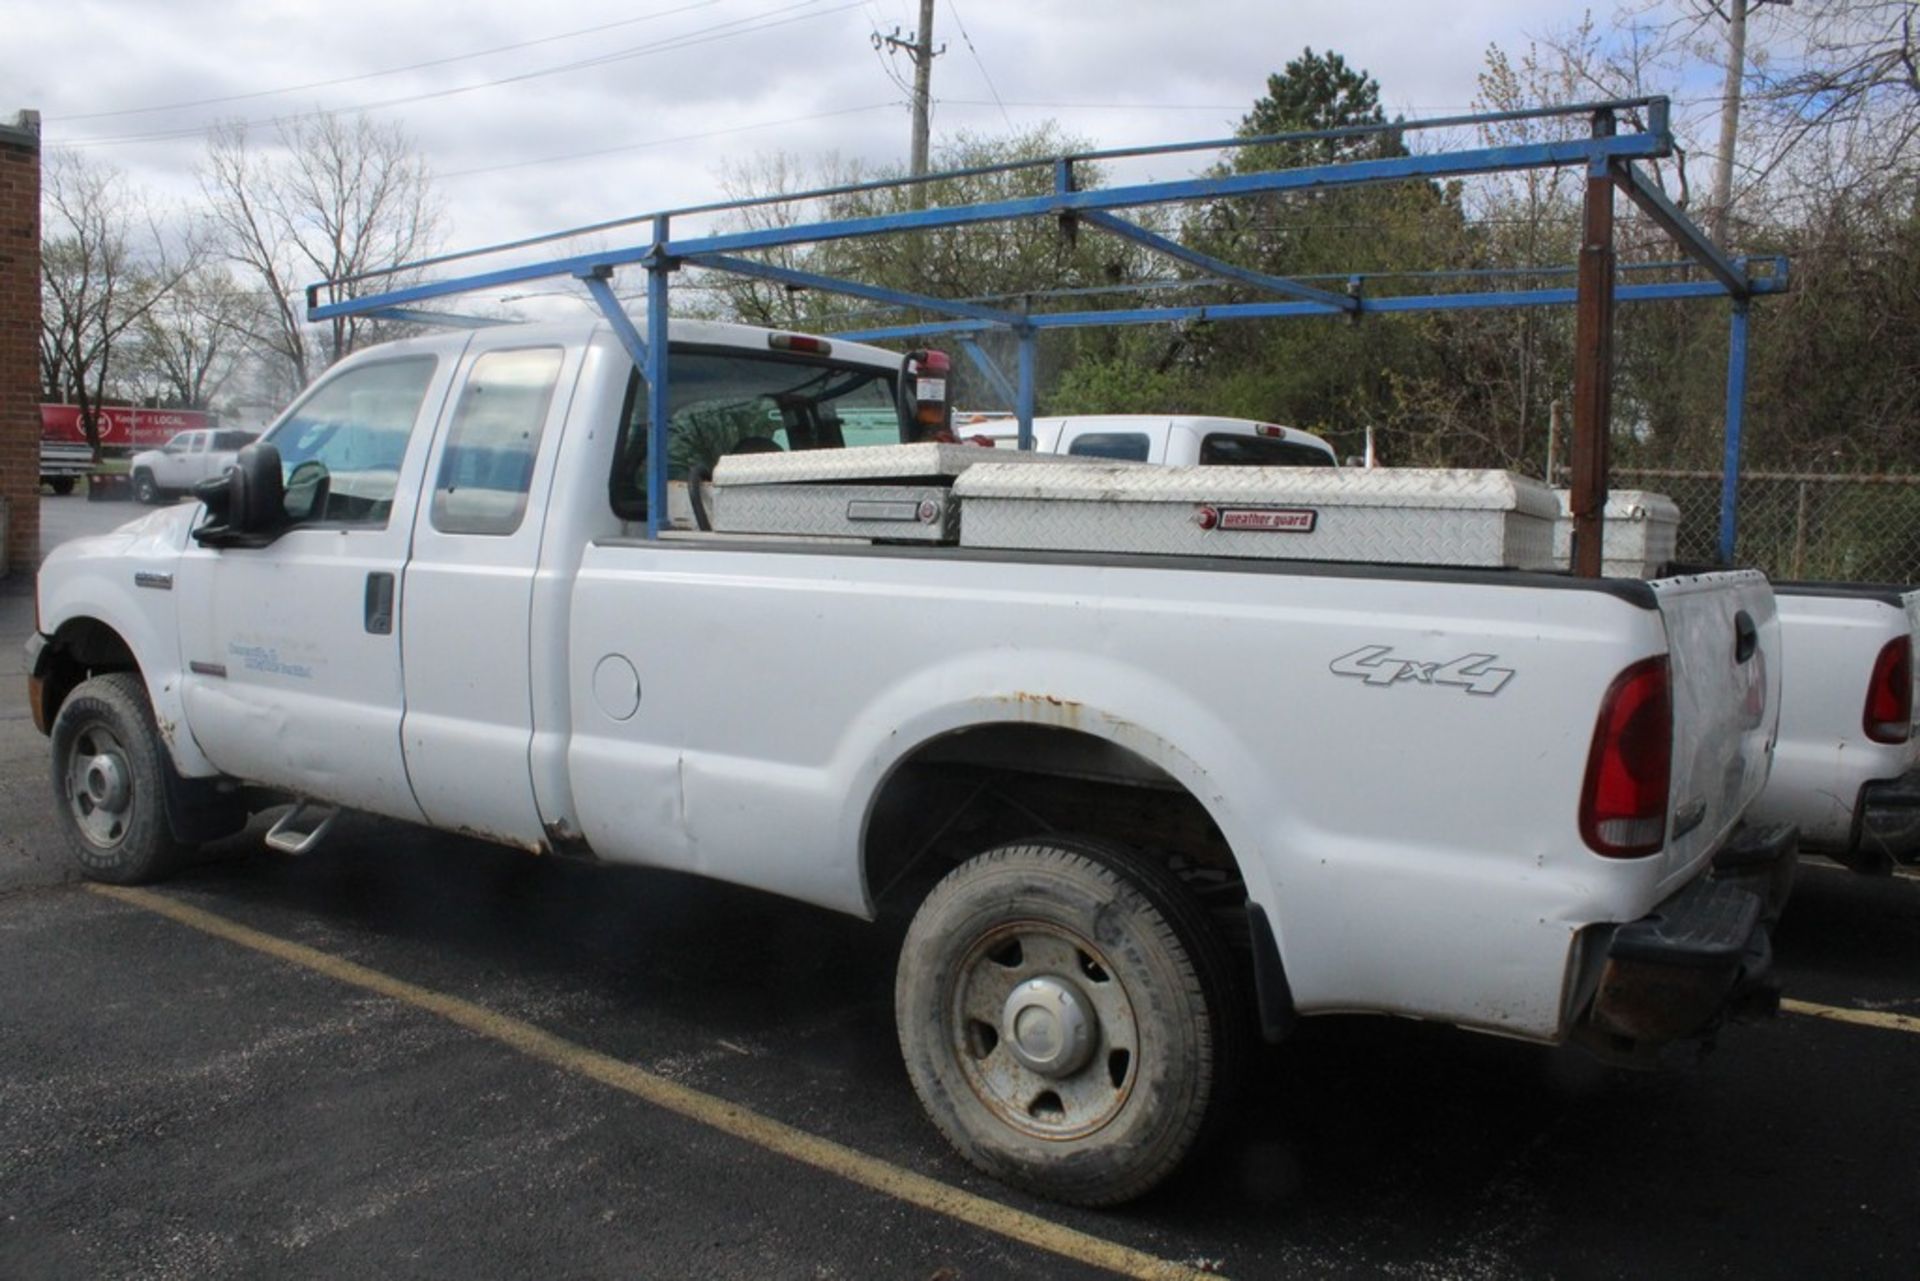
point(1048, 1026)
point(105, 781)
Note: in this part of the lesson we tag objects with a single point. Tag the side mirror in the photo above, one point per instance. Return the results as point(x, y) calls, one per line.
point(306, 491)
point(247, 506)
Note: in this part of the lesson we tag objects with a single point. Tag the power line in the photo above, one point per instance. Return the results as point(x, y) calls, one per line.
point(387, 71)
point(968, 41)
point(661, 142)
point(705, 35)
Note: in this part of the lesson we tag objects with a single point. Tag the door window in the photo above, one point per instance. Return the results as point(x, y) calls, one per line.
point(487, 464)
point(350, 435)
point(197, 443)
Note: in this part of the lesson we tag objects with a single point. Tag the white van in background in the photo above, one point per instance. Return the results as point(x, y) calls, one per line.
point(1176, 439)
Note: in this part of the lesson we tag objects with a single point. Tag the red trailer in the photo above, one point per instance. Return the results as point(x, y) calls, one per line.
point(123, 428)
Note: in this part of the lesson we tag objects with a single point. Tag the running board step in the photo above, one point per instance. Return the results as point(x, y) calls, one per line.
point(302, 828)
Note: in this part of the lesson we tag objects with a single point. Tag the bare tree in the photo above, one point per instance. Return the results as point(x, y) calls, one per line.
point(188, 345)
point(105, 265)
point(338, 198)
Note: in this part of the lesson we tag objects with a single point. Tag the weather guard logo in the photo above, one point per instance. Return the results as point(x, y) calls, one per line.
point(1376, 665)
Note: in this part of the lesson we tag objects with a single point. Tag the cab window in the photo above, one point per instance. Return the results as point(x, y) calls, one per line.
point(1225, 449)
point(342, 446)
point(487, 465)
point(728, 400)
point(1127, 446)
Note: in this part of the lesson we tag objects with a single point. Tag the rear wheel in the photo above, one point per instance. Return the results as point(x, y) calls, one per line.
point(61, 485)
point(1068, 1016)
point(144, 490)
point(109, 782)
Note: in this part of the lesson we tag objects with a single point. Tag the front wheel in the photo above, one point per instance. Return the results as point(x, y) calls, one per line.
point(109, 782)
point(144, 490)
point(1068, 1018)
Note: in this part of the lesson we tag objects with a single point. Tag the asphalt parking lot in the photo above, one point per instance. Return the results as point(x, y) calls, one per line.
point(419, 1055)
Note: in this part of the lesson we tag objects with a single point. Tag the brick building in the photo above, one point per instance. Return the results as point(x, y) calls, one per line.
point(20, 338)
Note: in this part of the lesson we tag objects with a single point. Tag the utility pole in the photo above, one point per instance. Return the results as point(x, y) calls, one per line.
point(920, 49)
point(1720, 214)
point(1729, 120)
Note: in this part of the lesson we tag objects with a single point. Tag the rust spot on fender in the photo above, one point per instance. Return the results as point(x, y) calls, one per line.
point(1050, 708)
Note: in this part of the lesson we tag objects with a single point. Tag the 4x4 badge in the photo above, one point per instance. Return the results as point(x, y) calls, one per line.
point(1377, 665)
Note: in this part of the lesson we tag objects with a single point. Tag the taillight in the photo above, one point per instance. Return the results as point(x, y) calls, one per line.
point(1889, 714)
point(1623, 806)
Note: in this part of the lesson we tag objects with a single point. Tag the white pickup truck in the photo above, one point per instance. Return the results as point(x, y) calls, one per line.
point(1846, 770)
point(1173, 439)
point(1177, 800)
point(183, 462)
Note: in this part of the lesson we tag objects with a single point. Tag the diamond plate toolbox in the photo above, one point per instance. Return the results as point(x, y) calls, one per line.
point(1405, 516)
point(1637, 538)
point(881, 492)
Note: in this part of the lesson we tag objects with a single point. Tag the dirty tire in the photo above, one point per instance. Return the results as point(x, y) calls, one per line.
point(144, 490)
point(1065, 942)
point(109, 782)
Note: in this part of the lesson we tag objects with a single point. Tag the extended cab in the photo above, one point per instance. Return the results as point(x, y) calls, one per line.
point(1169, 800)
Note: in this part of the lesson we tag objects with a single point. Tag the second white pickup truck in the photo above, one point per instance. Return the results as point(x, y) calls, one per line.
point(183, 462)
point(1180, 440)
point(1168, 800)
point(1846, 771)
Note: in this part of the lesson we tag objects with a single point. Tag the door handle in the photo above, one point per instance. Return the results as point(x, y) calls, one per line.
point(1746, 637)
point(380, 603)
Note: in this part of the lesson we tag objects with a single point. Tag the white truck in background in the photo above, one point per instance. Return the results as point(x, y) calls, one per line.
point(1169, 800)
point(1846, 770)
point(184, 461)
point(1172, 439)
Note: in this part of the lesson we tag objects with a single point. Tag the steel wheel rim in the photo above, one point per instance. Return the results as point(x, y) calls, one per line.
point(100, 792)
point(1085, 1091)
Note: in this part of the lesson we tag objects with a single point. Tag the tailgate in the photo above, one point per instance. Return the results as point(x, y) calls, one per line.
point(1723, 640)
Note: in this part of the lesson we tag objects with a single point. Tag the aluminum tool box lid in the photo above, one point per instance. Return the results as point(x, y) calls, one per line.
point(875, 493)
point(1388, 516)
point(924, 461)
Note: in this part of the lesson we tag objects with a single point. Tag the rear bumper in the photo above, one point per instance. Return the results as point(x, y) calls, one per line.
point(1698, 958)
point(1890, 819)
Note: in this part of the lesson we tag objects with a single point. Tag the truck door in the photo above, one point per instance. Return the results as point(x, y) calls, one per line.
point(292, 649)
point(466, 612)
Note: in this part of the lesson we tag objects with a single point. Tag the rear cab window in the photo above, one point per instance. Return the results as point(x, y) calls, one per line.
point(1126, 446)
point(734, 400)
point(1227, 449)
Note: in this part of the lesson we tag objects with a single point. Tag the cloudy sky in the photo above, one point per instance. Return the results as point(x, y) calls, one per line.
point(536, 117)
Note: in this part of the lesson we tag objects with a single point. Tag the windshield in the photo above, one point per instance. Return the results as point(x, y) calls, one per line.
point(728, 401)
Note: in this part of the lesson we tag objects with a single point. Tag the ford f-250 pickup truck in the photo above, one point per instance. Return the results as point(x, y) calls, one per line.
point(1177, 799)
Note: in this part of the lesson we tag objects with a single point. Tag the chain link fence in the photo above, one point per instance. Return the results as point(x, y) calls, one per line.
point(1794, 525)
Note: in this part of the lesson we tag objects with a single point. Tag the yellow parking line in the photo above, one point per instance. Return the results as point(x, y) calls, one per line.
point(1865, 1018)
point(709, 1110)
